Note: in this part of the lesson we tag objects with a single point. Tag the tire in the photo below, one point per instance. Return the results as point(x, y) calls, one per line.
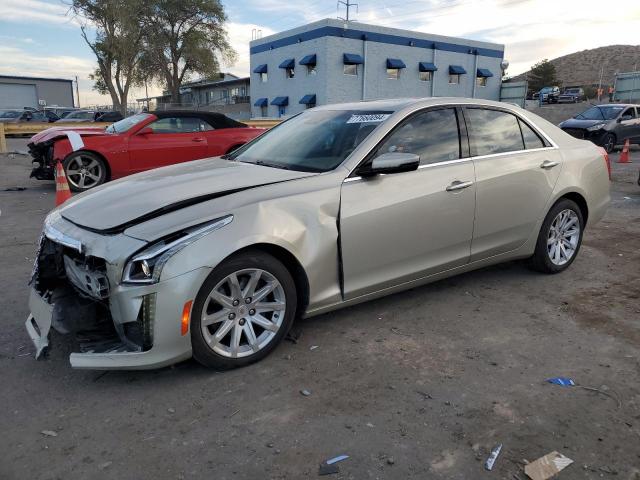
point(228, 313)
point(608, 142)
point(84, 170)
point(546, 259)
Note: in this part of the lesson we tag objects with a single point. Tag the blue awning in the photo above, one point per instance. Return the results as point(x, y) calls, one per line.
point(288, 63)
point(456, 70)
point(280, 101)
point(484, 72)
point(308, 99)
point(261, 102)
point(395, 63)
point(260, 68)
point(308, 60)
point(427, 67)
point(352, 59)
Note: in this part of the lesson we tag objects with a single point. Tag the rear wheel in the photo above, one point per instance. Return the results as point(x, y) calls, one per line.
point(84, 170)
point(559, 239)
point(242, 311)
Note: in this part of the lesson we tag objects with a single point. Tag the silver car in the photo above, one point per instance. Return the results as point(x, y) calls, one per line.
point(216, 258)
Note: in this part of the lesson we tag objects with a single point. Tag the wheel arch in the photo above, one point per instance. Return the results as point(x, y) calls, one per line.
point(99, 155)
point(580, 201)
point(291, 263)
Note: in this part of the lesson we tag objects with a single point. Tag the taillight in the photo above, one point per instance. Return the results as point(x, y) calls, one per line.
point(605, 155)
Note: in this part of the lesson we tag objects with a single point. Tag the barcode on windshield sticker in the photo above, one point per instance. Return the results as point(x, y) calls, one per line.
point(377, 117)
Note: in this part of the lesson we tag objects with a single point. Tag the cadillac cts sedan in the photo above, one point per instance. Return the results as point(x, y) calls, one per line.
point(215, 259)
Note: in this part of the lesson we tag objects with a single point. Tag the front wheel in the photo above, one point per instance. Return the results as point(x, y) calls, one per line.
point(609, 142)
point(559, 239)
point(243, 310)
point(84, 170)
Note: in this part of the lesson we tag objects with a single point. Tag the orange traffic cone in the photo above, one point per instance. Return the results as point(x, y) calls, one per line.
point(624, 156)
point(63, 193)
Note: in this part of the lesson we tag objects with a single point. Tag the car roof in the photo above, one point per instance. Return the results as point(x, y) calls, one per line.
point(398, 104)
point(215, 119)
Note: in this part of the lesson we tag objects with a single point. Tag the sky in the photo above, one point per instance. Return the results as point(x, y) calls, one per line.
point(39, 38)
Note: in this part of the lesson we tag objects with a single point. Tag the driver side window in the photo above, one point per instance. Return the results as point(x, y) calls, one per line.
point(629, 113)
point(433, 135)
point(179, 125)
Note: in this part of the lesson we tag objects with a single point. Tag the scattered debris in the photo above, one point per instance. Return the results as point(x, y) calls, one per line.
point(597, 390)
point(328, 469)
point(171, 410)
point(370, 425)
point(547, 466)
point(49, 433)
point(391, 461)
point(398, 332)
point(306, 393)
point(425, 396)
point(237, 411)
point(337, 459)
point(104, 465)
point(562, 381)
point(15, 189)
point(313, 347)
point(493, 457)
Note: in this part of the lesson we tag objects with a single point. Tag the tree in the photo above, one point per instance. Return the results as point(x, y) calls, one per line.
point(117, 44)
point(185, 37)
point(542, 74)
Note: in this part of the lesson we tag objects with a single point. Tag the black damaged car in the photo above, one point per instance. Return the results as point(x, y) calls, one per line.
point(606, 125)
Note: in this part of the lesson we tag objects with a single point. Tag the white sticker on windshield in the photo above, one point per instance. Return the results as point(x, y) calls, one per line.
point(376, 117)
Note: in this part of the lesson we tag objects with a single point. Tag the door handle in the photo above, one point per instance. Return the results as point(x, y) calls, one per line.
point(198, 139)
point(458, 185)
point(548, 164)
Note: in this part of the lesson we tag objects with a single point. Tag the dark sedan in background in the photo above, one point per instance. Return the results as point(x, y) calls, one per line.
point(606, 125)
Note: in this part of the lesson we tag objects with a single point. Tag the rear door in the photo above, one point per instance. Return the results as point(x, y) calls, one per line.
point(400, 227)
point(174, 140)
point(516, 171)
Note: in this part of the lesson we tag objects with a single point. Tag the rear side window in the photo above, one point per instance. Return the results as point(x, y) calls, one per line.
point(433, 135)
point(531, 138)
point(179, 125)
point(493, 131)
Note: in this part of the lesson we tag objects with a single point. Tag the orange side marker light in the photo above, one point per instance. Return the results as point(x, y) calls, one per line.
point(186, 314)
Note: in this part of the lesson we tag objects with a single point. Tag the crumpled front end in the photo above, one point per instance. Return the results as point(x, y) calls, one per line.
point(77, 292)
point(42, 160)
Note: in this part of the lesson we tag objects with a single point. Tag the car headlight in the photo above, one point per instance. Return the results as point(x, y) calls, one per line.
point(595, 127)
point(145, 267)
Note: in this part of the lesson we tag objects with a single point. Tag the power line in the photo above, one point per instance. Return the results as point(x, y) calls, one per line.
point(348, 5)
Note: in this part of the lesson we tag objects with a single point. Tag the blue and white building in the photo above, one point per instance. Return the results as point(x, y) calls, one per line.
point(330, 61)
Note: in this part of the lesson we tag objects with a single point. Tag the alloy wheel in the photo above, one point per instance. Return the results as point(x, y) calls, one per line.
point(563, 237)
point(84, 172)
point(243, 313)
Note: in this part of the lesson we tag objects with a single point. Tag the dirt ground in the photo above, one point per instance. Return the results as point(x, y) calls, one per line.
point(418, 385)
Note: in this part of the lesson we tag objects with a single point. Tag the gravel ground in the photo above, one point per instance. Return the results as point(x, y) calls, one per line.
point(417, 385)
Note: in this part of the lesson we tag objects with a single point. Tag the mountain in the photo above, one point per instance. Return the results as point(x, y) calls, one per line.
point(583, 68)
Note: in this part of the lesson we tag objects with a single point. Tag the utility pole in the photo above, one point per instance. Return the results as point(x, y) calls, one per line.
point(77, 91)
point(348, 4)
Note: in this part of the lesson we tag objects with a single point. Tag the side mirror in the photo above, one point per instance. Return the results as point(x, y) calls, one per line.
point(146, 131)
point(392, 162)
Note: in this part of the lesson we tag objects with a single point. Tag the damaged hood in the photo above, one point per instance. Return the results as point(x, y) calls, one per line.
point(118, 205)
point(59, 132)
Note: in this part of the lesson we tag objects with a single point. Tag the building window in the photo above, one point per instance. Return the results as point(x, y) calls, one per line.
point(426, 76)
point(311, 70)
point(481, 81)
point(454, 78)
point(263, 77)
point(393, 73)
point(289, 72)
point(350, 69)
point(264, 111)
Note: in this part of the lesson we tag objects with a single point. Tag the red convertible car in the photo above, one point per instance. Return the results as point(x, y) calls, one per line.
point(94, 155)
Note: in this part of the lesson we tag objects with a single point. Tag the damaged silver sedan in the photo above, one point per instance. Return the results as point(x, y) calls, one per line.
point(215, 259)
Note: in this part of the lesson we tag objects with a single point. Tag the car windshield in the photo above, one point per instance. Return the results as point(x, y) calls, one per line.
point(127, 123)
point(10, 113)
point(545, 90)
point(81, 115)
point(314, 141)
point(597, 112)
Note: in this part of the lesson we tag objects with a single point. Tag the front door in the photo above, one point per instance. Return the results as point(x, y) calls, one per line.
point(516, 171)
point(404, 226)
point(171, 140)
point(629, 126)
